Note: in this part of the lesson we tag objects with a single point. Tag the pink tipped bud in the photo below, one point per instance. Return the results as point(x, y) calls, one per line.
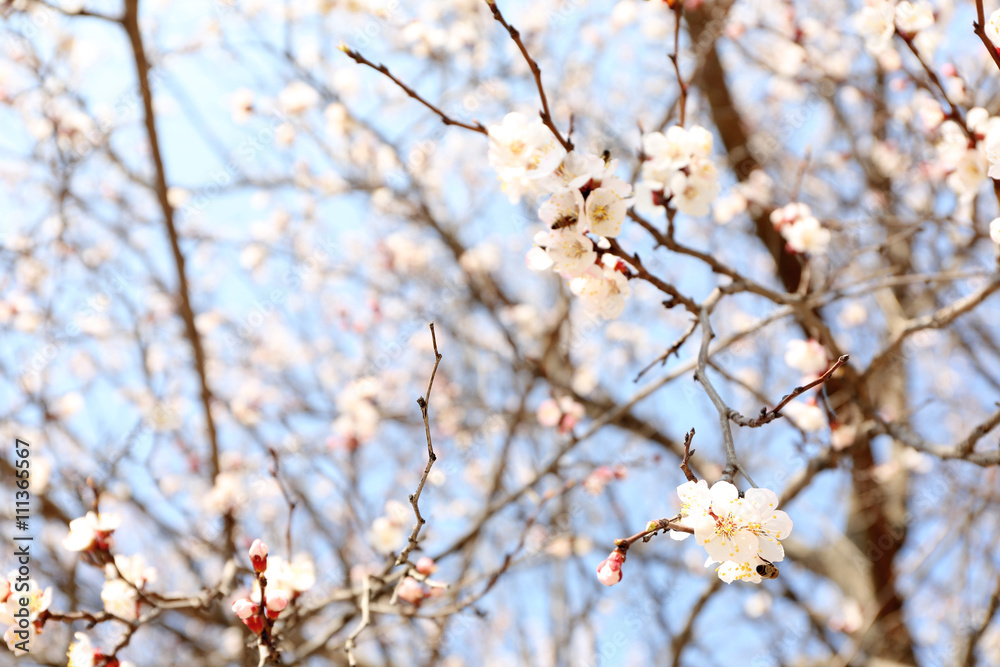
point(277, 600)
point(411, 591)
point(426, 565)
point(258, 555)
point(244, 608)
point(255, 624)
point(4, 591)
point(609, 572)
point(949, 69)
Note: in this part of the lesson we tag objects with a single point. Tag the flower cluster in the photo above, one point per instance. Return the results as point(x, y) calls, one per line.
point(802, 232)
point(741, 533)
point(678, 171)
point(586, 207)
point(879, 20)
point(22, 602)
point(255, 613)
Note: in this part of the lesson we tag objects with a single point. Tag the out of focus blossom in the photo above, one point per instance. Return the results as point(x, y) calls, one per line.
point(595, 482)
point(995, 230)
point(912, 17)
point(426, 565)
point(609, 572)
point(807, 415)
point(565, 413)
point(92, 531)
point(876, 24)
point(801, 230)
point(411, 590)
point(808, 356)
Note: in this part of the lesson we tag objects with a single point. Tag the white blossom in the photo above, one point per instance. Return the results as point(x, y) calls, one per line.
point(807, 235)
point(912, 17)
point(876, 24)
point(523, 152)
point(570, 251)
point(808, 356)
point(993, 28)
point(602, 288)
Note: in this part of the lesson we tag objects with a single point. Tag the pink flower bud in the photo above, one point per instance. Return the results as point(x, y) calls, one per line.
point(426, 565)
point(258, 555)
point(244, 608)
point(411, 591)
point(255, 624)
point(4, 591)
point(609, 572)
point(277, 600)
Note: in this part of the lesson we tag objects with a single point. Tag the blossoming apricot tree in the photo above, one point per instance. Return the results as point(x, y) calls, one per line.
point(238, 248)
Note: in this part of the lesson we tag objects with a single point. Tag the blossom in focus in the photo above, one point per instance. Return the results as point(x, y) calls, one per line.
point(993, 28)
point(603, 288)
point(92, 531)
point(609, 572)
point(808, 356)
point(523, 152)
point(678, 167)
point(570, 252)
point(725, 529)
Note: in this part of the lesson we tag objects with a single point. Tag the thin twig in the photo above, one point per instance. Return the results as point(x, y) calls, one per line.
point(131, 25)
point(685, 467)
point(673, 349)
point(732, 462)
point(475, 126)
point(422, 401)
point(979, 27)
point(766, 417)
point(545, 114)
point(678, 8)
